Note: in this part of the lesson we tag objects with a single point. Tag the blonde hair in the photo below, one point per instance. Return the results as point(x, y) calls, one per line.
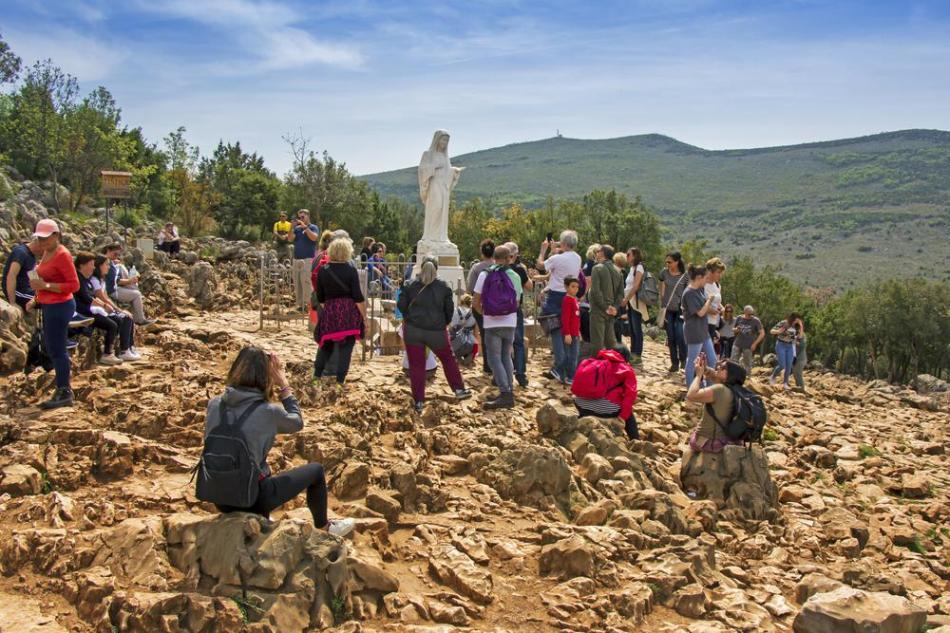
point(340, 250)
point(592, 251)
point(715, 264)
point(466, 300)
point(620, 260)
point(325, 238)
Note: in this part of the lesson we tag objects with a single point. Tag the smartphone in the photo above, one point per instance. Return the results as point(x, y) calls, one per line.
point(550, 237)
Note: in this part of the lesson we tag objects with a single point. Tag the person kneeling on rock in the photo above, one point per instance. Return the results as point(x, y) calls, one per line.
point(708, 437)
point(240, 428)
point(605, 386)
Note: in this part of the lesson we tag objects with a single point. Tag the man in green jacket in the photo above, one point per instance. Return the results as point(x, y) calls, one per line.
point(605, 295)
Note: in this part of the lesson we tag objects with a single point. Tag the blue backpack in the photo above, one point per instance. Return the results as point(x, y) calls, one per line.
point(499, 296)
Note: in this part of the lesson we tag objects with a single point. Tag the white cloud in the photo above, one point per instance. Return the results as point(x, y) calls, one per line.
point(265, 29)
point(86, 58)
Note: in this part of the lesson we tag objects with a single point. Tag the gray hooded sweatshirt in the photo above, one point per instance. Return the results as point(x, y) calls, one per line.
point(263, 425)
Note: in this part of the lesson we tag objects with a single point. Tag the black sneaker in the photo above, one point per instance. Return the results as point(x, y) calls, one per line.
point(463, 394)
point(418, 405)
point(61, 398)
point(673, 369)
point(522, 381)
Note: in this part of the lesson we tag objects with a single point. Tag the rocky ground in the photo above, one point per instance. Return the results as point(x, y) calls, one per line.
point(523, 520)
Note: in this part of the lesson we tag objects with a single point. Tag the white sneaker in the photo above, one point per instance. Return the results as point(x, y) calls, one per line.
point(129, 355)
point(340, 527)
point(110, 359)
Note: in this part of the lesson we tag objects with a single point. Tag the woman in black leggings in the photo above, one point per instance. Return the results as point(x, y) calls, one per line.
point(252, 381)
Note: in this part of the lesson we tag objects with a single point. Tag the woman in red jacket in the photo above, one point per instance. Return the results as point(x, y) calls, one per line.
point(55, 282)
point(605, 386)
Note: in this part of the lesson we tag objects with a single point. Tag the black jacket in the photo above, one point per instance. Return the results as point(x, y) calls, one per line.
point(427, 307)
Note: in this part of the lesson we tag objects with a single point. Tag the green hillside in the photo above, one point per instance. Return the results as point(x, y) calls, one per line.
point(831, 213)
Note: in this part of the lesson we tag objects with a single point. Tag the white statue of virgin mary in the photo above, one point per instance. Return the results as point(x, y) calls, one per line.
point(437, 178)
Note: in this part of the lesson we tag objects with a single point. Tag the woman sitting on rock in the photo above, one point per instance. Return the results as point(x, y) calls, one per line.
point(104, 314)
point(252, 381)
point(708, 436)
point(427, 307)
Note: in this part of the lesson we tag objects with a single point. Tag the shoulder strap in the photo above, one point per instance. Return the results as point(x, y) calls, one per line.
point(673, 294)
point(222, 409)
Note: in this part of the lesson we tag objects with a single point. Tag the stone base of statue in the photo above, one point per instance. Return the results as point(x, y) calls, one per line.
point(450, 270)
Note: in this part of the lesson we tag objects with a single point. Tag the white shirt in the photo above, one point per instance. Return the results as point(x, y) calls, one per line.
point(631, 280)
point(566, 264)
point(714, 291)
point(505, 320)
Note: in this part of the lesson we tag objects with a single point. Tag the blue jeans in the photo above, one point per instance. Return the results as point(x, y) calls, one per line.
point(521, 360)
point(552, 305)
point(635, 319)
point(786, 358)
point(674, 338)
point(498, 344)
point(56, 317)
point(693, 350)
point(569, 366)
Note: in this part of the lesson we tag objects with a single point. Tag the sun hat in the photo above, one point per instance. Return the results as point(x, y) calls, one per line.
point(45, 228)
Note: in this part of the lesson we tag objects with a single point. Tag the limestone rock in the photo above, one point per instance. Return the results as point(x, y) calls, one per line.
point(596, 467)
point(737, 479)
point(383, 503)
point(202, 284)
point(19, 480)
point(14, 338)
point(289, 569)
point(567, 558)
point(531, 475)
point(460, 572)
point(849, 610)
point(690, 601)
point(352, 481)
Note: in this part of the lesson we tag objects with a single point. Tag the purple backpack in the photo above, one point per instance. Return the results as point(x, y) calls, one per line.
point(498, 293)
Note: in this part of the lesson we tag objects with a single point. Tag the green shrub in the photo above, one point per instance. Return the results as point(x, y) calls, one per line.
point(866, 450)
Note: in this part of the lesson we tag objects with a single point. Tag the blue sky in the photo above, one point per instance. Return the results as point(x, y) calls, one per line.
point(369, 81)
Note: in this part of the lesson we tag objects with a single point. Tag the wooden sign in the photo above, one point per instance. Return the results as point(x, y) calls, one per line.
point(115, 184)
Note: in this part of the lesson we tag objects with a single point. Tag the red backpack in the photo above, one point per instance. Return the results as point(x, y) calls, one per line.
point(598, 376)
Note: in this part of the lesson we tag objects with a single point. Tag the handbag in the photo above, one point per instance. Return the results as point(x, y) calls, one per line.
point(549, 323)
point(661, 318)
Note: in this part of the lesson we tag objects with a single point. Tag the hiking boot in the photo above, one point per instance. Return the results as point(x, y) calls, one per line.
point(110, 359)
point(61, 398)
point(340, 527)
point(522, 381)
point(673, 369)
point(463, 394)
point(504, 400)
point(418, 405)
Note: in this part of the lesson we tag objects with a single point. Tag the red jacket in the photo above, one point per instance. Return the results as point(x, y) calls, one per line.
point(323, 261)
point(621, 381)
point(570, 317)
point(58, 270)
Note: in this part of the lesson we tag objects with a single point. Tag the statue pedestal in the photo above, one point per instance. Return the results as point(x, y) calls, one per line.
point(448, 255)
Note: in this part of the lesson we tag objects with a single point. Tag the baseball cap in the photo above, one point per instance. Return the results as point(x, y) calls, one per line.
point(45, 228)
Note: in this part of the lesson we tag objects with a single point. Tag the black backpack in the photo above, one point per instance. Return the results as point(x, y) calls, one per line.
point(748, 416)
point(228, 474)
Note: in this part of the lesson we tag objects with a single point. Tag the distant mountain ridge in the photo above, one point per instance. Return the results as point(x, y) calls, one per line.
point(883, 200)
